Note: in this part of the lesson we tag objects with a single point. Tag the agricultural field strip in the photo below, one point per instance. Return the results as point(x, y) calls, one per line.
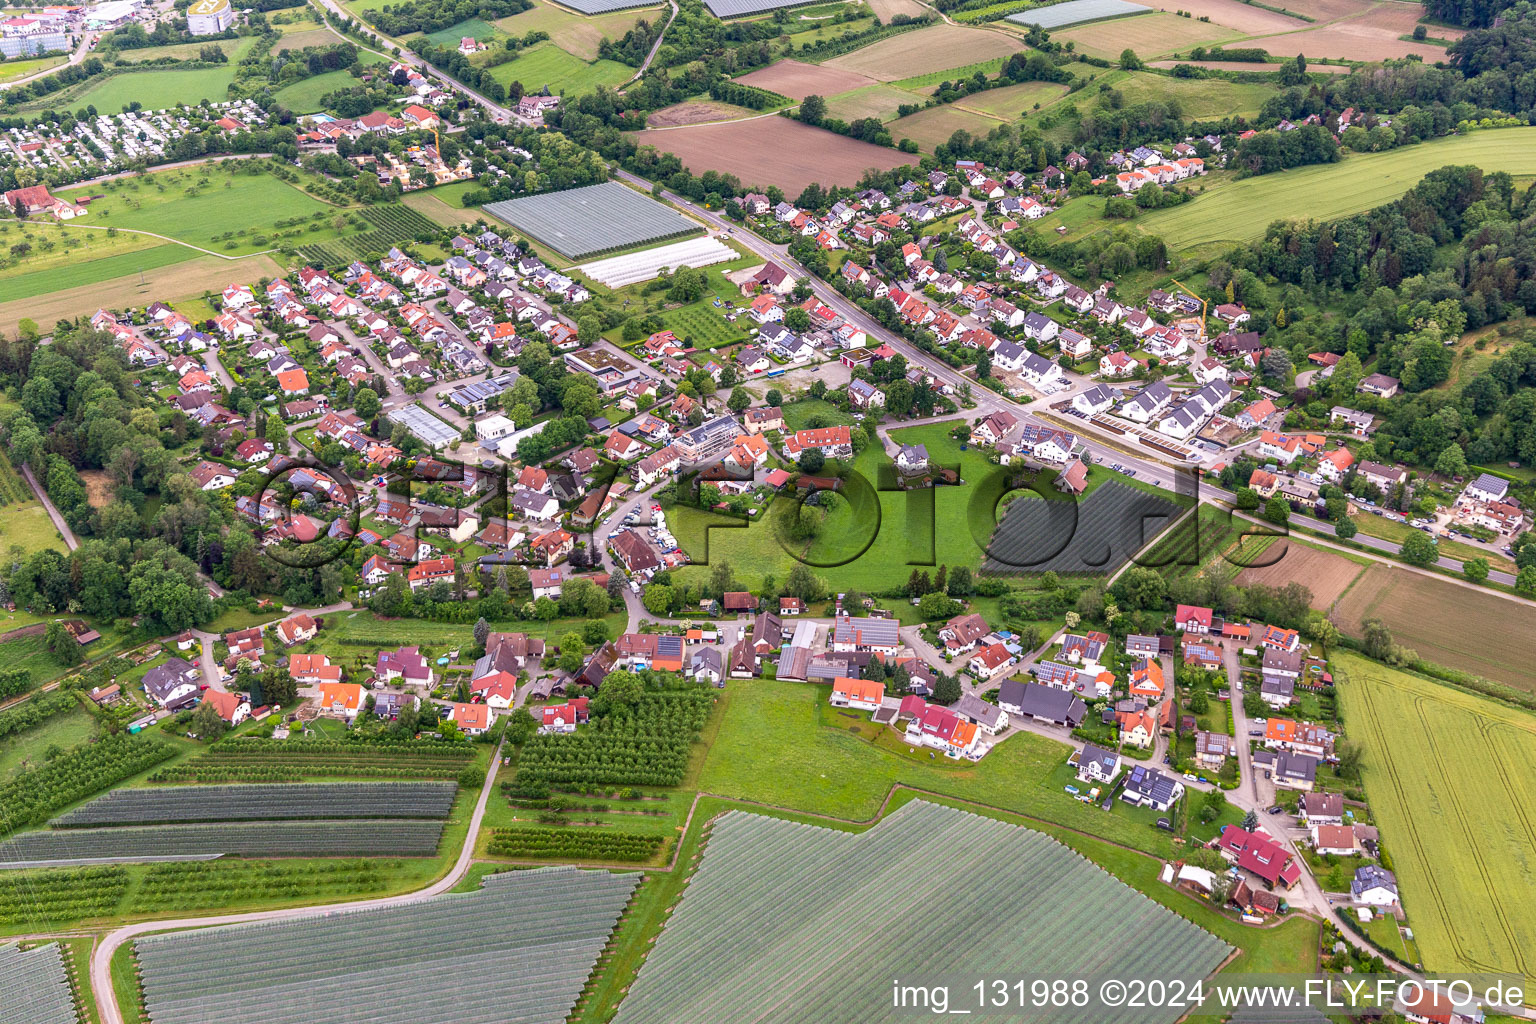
point(1094, 536)
point(265, 802)
point(33, 986)
point(398, 837)
point(1413, 792)
point(776, 920)
point(520, 948)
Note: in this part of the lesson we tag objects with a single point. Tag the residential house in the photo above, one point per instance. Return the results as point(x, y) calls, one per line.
point(1095, 764)
point(1373, 886)
point(863, 694)
point(1148, 787)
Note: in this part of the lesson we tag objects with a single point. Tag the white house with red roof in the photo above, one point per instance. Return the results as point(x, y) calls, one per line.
point(1193, 619)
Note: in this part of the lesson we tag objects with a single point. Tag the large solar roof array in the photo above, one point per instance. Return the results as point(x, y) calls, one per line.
point(736, 8)
point(1075, 12)
point(582, 222)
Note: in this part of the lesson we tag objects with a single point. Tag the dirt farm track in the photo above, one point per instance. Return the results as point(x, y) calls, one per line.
point(774, 151)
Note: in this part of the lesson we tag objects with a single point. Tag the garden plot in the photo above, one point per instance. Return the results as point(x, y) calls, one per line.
point(1094, 536)
point(583, 222)
point(33, 986)
point(790, 922)
point(519, 949)
point(618, 271)
point(265, 802)
point(400, 838)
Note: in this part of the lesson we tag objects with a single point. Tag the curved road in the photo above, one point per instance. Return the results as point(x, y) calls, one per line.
point(655, 47)
point(101, 956)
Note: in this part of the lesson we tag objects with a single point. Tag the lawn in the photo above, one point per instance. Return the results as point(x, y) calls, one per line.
point(701, 325)
point(548, 65)
point(1197, 97)
point(62, 730)
point(28, 525)
point(474, 28)
point(782, 744)
point(13, 69)
point(876, 535)
point(879, 101)
point(303, 96)
point(1011, 101)
point(1444, 772)
point(893, 532)
point(214, 206)
point(575, 33)
point(798, 414)
point(155, 90)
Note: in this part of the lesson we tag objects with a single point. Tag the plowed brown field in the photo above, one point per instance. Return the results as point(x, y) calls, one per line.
point(766, 151)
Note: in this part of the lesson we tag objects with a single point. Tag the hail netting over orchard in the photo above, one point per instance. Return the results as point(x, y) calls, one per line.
point(785, 922)
point(1094, 536)
point(519, 949)
point(265, 803)
point(580, 223)
point(34, 988)
point(1075, 12)
point(398, 838)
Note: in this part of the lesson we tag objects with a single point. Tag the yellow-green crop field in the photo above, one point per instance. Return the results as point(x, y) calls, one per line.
point(1448, 777)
